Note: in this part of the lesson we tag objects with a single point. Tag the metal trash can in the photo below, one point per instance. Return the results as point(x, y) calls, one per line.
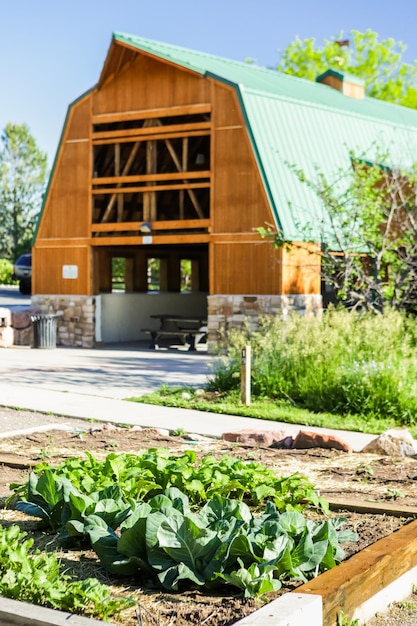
point(44, 330)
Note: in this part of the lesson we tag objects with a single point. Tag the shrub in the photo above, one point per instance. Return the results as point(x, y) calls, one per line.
point(342, 362)
point(6, 272)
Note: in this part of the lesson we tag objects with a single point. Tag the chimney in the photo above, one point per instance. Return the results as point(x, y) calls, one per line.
point(347, 84)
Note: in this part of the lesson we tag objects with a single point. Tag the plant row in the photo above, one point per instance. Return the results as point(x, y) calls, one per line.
point(187, 534)
point(35, 577)
point(144, 475)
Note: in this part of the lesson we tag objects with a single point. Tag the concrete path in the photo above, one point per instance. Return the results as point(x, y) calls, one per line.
point(92, 384)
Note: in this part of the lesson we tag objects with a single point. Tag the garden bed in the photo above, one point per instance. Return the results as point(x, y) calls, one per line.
point(373, 493)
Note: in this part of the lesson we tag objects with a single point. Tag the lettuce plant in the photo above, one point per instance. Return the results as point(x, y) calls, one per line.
point(223, 543)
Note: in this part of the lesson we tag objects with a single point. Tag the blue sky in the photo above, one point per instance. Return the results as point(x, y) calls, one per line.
point(52, 51)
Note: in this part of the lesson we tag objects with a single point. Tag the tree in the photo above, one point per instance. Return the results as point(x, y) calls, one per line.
point(378, 63)
point(23, 172)
point(368, 234)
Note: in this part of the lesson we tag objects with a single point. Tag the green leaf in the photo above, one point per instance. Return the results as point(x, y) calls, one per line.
point(292, 523)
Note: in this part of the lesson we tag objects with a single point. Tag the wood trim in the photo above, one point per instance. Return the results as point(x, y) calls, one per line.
point(232, 127)
point(179, 186)
point(385, 508)
point(82, 242)
point(155, 57)
point(144, 178)
point(190, 109)
point(77, 140)
point(156, 240)
point(115, 227)
point(238, 238)
point(162, 225)
point(156, 130)
point(178, 224)
point(149, 137)
point(356, 580)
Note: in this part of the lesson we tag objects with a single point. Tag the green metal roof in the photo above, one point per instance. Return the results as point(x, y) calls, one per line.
point(292, 120)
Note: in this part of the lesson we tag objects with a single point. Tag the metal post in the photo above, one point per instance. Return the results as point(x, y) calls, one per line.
point(245, 374)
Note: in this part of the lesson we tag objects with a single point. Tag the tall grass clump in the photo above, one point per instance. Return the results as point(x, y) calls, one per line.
point(342, 362)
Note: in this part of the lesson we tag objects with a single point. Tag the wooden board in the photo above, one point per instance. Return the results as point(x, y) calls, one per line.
point(353, 582)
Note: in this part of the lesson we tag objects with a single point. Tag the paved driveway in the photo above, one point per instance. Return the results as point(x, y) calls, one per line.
point(113, 372)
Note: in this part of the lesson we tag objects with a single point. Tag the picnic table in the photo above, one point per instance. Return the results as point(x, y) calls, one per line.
point(188, 329)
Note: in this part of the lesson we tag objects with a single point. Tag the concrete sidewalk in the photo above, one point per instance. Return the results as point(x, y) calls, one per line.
point(91, 384)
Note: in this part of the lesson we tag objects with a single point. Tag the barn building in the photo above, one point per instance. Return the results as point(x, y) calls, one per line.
point(165, 170)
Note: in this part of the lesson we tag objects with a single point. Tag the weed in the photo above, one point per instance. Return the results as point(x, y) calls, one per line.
point(342, 620)
point(364, 470)
point(394, 494)
point(178, 432)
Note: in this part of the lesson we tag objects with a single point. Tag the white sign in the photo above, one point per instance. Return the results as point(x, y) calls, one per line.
point(70, 271)
point(147, 239)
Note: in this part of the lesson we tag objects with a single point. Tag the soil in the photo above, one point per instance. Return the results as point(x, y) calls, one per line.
point(358, 477)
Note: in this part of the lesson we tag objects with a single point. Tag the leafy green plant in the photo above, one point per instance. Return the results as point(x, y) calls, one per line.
point(342, 620)
point(6, 272)
point(222, 543)
point(46, 497)
point(79, 488)
point(35, 577)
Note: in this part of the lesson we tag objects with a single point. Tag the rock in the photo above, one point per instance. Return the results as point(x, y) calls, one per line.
point(22, 325)
point(21, 319)
point(265, 438)
point(309, 439)
point(197, 437)
point(392, 443)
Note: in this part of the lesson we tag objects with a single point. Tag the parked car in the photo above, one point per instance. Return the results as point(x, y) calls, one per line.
point(23, 273)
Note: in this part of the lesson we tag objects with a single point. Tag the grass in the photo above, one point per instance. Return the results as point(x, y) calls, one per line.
point(228, 403)
point(343, 370)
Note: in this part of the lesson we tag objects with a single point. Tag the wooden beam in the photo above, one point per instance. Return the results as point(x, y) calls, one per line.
point(161, 225)
point(189, 109)
point(179, 186)
point(237, 238)
point(192, 195)
point(144, 178)
point(180, 224)
point(116, 227)
point(123, 139)
point(149, 198)
point(156, 130)
point(124, 172)
point(184, 169)
point(133, 240)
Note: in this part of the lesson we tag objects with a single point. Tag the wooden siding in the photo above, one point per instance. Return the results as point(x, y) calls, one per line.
point(245, 268)
point(47, 270)
point(146, 84)
point(142, 88)
point(66, 213)
point(301, 270)
point(239, 203)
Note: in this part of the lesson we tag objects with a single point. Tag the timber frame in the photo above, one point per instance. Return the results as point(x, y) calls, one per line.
point(177, 155)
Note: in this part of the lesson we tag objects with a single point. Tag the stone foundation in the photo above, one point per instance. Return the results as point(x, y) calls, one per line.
point(76, 321)
point(226, 312)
